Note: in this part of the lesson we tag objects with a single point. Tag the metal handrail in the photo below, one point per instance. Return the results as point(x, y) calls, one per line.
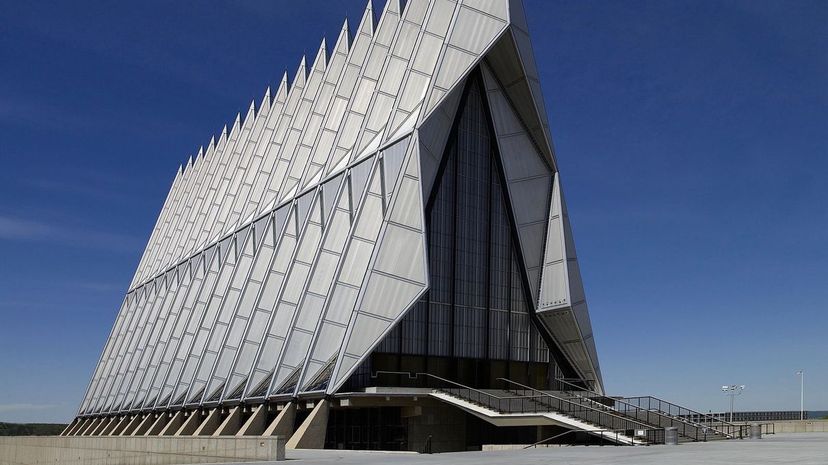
point(681, 426)
point(575, 407)
point(416, 375)
point(488, 394)
point(692, 412)
point(730, 426)
point(721, 426)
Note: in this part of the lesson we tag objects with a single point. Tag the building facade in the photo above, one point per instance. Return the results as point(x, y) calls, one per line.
point(389, 219)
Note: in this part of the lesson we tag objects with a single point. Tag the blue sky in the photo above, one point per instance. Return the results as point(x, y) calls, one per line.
point(692, 138)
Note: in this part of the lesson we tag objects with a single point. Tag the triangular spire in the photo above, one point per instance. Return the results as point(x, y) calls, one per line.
point(265, 105)
point(301, 74)
point(251, 113)
point(366, 24)
point(234, 131)
point(199, 156)
point(321, 60)
point(210, 148)
point(343, 41)
point(222, 140)
point(282, 91)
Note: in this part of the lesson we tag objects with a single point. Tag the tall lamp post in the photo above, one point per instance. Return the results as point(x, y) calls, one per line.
point(733, 390)
point(801, 374)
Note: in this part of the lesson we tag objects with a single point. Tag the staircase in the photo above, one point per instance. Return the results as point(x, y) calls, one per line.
point(620, 420)
point(502, 407)
point(691, 425)
point(712, 428)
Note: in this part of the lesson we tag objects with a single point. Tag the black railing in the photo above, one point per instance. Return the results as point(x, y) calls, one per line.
point(777, 415)
point(652, 418)
point(702, 420)
point(533, 401)
point(702, 426)
point(766, 428)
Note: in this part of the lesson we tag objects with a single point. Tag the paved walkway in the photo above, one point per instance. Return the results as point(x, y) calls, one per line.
point(799, 448)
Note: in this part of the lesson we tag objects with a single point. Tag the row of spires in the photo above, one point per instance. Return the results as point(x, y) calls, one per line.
point(217, 146)
point(302, 72)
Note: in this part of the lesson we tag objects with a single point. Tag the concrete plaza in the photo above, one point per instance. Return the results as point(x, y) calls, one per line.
point(798, 448)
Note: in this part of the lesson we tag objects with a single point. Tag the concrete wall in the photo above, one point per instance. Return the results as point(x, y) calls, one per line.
point(36, 450)
point(797, 426)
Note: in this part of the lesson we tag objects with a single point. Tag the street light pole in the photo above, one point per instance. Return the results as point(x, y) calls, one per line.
point(733, 390)
point(731, 408)
point(801, 374)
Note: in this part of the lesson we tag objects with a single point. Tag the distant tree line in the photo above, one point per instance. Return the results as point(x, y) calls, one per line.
point(30, 429)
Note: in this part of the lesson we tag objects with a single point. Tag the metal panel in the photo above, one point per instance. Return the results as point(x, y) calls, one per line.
point(220, 328)
point(408, 198)
point(147, 345)
point(173, 390)
point(271, 348)
point(388, 23)
point(528, 179)
point(474, 31)
point(254, 310)
point(164, 338)
point(505, 63)
point(401, 254)
point(124, 360)
point(122, 320)
point(440, 18)
point(157, 391)
point(497, 8)
point(188, 389)
point(390, 289)
point(562, 294)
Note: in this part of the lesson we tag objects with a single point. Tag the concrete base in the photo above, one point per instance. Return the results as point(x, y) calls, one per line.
point(174, 424)
point(209, 425)
point(96, 431)
point(149, 420)
point(191, 424)
point(73, 427)
point(311, 433)
point(121, 425)
point(134, 423)
point(158, 426)
point(110, 426)
point(91, 425)
point(282, 425)
point(40, 450)
point(256, 424)
point(231, 424)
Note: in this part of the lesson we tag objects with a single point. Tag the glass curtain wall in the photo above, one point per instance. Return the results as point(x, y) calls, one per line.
point(474, 325)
